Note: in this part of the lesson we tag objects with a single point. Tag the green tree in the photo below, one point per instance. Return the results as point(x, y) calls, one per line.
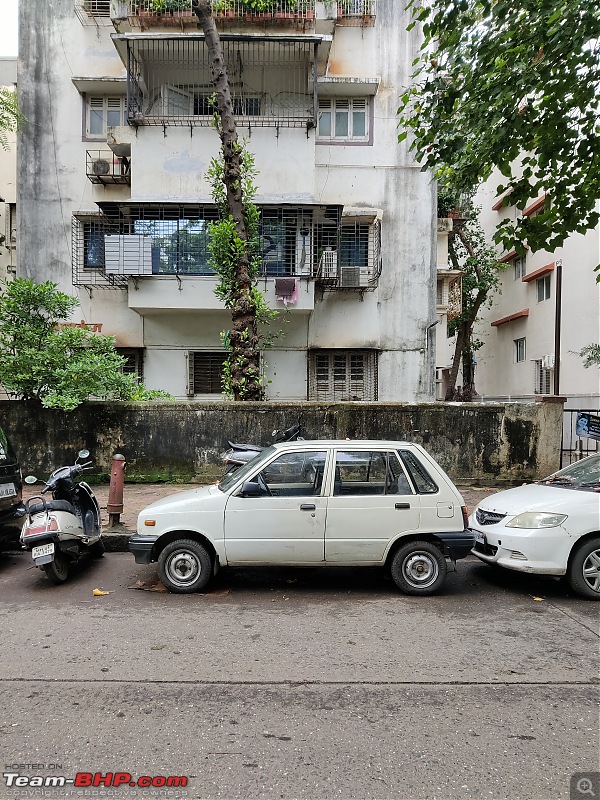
point(59, 365)
point(10, 115)
point(512, 85)
point(469, 252)
point(590, 355)
point(233, 240)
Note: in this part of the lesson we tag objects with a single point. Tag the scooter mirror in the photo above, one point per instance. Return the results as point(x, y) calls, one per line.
point(83, 454)
point(30, 479)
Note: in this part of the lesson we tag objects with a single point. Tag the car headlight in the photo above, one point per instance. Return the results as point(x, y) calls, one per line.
point(536, 519)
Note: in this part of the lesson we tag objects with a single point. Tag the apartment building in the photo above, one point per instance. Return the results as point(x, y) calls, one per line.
point(518, 359)
point(115, 203)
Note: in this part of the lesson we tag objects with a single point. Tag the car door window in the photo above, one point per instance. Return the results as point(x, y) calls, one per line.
point(369, 473)
point(295, 474)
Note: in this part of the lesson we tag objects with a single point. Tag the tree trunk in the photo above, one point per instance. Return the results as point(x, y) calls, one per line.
point(243, 338)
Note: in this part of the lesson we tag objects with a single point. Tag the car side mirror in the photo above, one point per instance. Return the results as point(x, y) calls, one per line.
point(252, 489)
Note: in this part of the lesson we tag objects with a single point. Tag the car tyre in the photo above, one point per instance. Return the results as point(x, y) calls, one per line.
point(185, 566)
point(57, 571)
point(418, 568)
point(583, 572)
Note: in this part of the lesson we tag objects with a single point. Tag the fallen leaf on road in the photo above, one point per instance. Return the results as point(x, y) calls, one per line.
point(149, 587)
point(99, 593)
point(539, 599)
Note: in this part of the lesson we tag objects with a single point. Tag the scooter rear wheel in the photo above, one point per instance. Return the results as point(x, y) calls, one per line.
point(57, 570)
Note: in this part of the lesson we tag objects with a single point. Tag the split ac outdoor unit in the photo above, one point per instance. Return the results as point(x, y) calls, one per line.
point(328, 264)
point(101, 167)
point(548, 361)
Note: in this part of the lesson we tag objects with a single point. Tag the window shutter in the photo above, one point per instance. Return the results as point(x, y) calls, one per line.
point(190, 371)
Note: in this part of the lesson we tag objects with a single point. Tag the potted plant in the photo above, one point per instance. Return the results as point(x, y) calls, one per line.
point(223, 8)
point(286, 9)
point(179, 8)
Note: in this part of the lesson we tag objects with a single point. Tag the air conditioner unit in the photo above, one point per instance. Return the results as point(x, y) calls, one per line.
point(101, 167)
point(328, 264)
point(548, 361)
point(350, 277)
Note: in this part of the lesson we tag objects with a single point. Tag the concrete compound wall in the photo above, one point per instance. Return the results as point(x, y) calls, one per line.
point(475, 443)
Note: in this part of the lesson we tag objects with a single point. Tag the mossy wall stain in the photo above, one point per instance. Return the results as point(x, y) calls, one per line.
point(486, 443)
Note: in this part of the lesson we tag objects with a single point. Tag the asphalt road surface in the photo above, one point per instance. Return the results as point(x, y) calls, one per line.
point(308, 684)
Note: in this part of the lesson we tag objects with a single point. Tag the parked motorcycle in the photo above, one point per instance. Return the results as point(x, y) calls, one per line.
point(240, 454)
point(61, 530)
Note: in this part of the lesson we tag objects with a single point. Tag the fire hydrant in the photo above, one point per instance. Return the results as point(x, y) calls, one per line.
point(115, 491)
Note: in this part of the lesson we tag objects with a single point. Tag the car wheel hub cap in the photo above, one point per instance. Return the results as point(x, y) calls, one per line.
point(419, 568)
point(183, 568)
point(591, 570)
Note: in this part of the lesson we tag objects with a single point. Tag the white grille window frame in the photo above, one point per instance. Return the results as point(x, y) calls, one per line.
point(105, 104)
point(520, 350)
point(342, 105)
point(519, 267)
point(543, 288)
point(342, 375)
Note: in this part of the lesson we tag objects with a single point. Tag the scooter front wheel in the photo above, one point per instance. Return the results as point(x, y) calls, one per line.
point(57, 570)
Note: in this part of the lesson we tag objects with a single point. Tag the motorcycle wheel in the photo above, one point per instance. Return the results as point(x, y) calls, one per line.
point(57, 570)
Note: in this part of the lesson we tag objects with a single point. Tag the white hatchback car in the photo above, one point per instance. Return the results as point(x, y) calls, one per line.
point(313, 503)
point(551, 527)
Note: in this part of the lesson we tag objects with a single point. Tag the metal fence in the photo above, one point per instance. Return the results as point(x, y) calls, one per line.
point(573, 446)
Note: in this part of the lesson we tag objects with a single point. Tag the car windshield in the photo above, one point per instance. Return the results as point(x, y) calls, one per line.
point(229, 480)
point(584, 474)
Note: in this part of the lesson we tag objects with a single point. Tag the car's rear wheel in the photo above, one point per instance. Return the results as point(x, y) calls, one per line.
point(583, 573)
point(185, 566)
point(418, 568)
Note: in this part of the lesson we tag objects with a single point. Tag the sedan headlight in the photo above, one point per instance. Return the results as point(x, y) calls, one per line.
point(536, 519)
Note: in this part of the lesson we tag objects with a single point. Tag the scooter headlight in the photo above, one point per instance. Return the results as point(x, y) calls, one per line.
point(537, 519)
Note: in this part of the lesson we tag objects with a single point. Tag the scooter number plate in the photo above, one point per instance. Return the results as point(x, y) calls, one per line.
point(7, 490)
point(42, 550)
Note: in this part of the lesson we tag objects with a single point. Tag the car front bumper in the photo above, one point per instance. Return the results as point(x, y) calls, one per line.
point(539, 552)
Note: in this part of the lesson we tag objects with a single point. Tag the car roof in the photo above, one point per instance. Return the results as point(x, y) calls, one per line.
point(345, 443)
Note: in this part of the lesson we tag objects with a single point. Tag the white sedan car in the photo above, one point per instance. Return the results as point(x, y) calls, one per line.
point(551, 527)
point(313, 503)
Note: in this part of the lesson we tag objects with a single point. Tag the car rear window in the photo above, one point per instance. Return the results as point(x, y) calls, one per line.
point(420, 477)
point(7, 454)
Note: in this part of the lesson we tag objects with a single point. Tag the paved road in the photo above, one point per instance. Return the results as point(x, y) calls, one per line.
point(299, 684)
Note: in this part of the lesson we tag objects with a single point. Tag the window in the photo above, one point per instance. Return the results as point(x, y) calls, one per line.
point(97, 8)
point(93, 245)
point(342, 375)
point(205, 370)
point(519, 350)
point(519, 267)
point(543, 288)
point(420, 477)
point(343, 120)
point(134, 365)
point(103, 112)
point(369, 473)
point(295, 474)
point(542, 382)
point(179, 239)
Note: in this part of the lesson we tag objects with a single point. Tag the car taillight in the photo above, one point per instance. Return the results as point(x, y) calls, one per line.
point(465, 514)
point(51, 525)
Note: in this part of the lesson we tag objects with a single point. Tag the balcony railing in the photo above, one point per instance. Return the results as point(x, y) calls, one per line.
point(103, 167)
point(149, 13)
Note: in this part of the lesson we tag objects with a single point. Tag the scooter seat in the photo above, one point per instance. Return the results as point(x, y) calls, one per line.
point(52, 505)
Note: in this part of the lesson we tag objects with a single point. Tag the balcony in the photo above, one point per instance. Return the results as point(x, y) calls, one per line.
point(105, 168)
point(178, 14)
point(349, 254)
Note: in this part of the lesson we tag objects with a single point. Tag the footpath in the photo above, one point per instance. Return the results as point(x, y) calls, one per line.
point(137, 496)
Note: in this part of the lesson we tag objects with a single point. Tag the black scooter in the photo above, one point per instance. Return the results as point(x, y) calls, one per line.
point(240, 454)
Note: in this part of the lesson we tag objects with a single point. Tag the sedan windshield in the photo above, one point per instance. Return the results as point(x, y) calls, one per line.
point(229, 480)
point(584, 474)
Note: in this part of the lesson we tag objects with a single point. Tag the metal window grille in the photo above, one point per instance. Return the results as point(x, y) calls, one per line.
point(357, 12)
point(144, 13)
point(348, 252)
point(169, 81)
point(542, 378)
point(338, 375)
point(87, 252)
point(204, 372)
point(135, 361)
point(93, 12)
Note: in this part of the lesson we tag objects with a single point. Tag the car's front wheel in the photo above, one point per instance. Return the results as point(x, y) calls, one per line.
point(583, 573)
point(418, 568)
point(185, 566)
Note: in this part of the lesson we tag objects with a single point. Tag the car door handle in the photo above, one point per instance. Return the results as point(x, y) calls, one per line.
point(402, 506)
point(308, 507)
